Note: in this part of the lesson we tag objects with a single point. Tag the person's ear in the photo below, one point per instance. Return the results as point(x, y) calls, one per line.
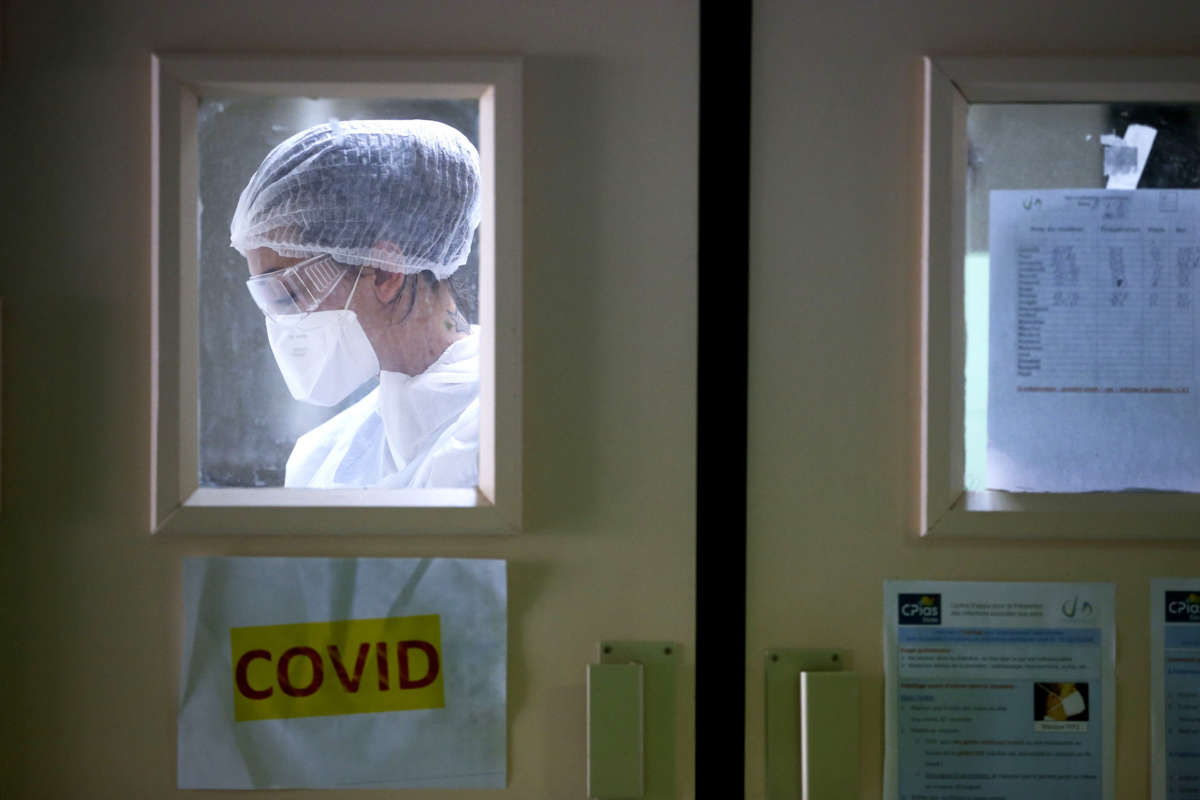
point(388, 285)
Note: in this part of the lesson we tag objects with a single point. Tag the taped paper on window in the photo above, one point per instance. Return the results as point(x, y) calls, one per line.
point(1093, 370)
point(1125, 157)
point(323, 673)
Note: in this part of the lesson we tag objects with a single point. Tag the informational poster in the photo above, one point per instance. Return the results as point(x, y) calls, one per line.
point(343, 672)
point(1092, 379)
point(999, 691)
point(1175, 688)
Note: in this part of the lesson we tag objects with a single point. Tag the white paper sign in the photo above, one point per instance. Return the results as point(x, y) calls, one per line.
point(1175, 688)
point(1092, 382)
point(999, 690)
point(321, 673)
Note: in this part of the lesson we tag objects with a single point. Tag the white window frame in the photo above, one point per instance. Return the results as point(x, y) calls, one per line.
point(177, 503)
point(946, 507)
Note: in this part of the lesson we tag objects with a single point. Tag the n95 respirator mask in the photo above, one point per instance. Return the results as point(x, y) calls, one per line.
point(324, 356)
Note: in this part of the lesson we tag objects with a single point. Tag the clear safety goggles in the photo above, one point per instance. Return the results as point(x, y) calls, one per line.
point(299, 289)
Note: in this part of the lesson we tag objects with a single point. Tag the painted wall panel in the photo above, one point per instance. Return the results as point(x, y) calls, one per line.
point(835, 205)
point(92, 603)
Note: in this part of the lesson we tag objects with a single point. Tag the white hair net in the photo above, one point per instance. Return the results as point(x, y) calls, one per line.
point(398, 195)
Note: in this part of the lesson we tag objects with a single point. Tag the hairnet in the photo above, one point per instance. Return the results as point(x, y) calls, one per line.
point(399, 195)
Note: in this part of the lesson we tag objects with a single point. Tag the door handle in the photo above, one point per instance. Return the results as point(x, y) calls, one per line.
point(812, 717)
point(615, 727)
point(631, 721)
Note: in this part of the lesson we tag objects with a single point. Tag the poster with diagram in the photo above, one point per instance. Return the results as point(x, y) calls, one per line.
point(999, 690)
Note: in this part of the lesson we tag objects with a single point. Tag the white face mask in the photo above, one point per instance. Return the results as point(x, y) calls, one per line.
point(323, 356)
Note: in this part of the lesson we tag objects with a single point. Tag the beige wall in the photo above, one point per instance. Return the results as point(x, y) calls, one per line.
point(834, 337)
point(90, 674)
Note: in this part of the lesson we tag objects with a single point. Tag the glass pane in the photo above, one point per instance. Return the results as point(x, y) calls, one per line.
point(1102, 292)
point(249, 421)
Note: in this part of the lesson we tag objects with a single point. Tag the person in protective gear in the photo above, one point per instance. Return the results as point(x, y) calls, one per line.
point(350, 231)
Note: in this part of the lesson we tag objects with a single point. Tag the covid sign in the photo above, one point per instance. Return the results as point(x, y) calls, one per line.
point(356, 666)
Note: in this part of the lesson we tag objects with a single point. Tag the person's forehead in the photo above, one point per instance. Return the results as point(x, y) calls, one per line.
point(263, 259)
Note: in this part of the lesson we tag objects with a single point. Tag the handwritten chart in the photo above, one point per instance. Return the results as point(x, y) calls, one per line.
point(1092, 366)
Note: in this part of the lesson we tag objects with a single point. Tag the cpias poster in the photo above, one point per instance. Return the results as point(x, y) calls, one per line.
point(1002, 691)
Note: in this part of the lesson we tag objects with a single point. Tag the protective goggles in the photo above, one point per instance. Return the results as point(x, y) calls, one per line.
point(298, 289)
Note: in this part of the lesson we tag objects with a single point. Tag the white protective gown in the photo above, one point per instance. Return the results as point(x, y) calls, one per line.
point(419, 431)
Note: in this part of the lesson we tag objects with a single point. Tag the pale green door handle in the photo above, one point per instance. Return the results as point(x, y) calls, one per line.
point(829, 764)
point(615, 732)
point(812, 724)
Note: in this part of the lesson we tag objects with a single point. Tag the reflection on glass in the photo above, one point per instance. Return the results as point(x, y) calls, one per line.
point(358, 242)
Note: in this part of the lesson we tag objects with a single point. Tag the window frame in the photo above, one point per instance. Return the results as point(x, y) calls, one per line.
point(946, 508)
point(178, 504)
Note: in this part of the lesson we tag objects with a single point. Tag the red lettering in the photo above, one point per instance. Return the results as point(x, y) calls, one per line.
point(431, 657)
point(335, 658)
point(243, 683)
point(382, 665)
point(350, 683)
point(285, 682)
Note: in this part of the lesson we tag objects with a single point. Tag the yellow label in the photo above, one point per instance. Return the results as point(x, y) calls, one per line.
point(353, 666)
